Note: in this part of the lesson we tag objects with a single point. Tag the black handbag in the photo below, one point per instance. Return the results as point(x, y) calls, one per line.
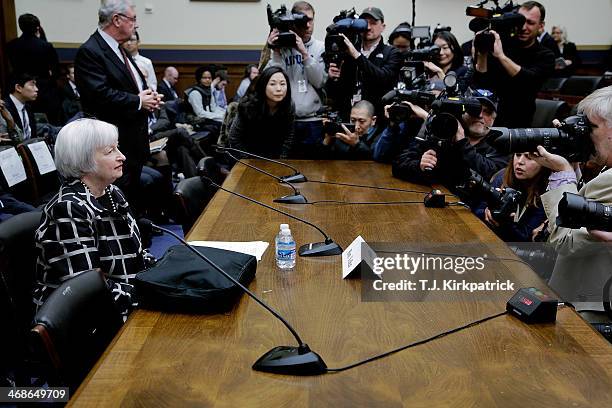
point(182, 282)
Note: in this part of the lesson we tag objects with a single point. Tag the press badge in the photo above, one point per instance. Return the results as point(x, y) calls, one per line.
point(356, 97)
point(302, 86)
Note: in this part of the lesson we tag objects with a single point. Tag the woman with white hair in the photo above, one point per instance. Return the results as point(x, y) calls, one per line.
point(88, 224)
point(566, 65)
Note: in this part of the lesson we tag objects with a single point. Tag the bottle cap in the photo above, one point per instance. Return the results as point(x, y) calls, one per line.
point(284, 226)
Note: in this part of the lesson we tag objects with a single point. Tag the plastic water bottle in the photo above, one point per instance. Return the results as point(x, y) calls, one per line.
point(285, 248)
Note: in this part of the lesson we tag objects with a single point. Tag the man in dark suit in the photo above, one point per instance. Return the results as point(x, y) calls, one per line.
point(72, 98)
point(34, 55)
point(114, 90)
point(547, 41)
point(23, 91)
point(166, 85)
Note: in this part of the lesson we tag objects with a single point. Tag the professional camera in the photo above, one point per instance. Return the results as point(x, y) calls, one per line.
point(399, 112)
point(441, 125)
point(347, 23)
point(575, 212)
point(506, 21)
point(334, 123)
point(430, 53)
point(285, 21)
point(572, 140)
point(501, 203)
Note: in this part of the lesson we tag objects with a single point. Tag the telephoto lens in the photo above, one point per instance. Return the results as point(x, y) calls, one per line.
point(575, 212)
point(571, 140)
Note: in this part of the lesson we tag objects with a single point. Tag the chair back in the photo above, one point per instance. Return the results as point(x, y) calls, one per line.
point(580, 85)
point(14, 177)
point(17, 274)
point(74, 326)
point(39, 165)
point(191, 197)
point(547, 110)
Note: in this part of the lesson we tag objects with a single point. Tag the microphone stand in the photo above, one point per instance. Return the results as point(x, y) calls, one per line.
point(296, 198)
point(281, 359)
point(297, 177)
point(325, 248)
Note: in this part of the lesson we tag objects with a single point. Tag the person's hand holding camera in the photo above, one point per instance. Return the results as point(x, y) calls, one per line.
point(428, 160)
point(350, 48)
point(299, 45)
point(602, 236)
point(552, 161)
point(334, 71)
point(498, 48)
point(489, 217)
point(460, 134)
point(348, 137)
point(434, 69)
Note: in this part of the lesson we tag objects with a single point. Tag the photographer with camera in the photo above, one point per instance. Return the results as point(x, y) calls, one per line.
point(467, 149)
point(303, 63)
point(516, 68)
point(351, 141)
point(582, 267)
point(450, 59)
point(367, 73)
point(401, 37)
point(398, 135)
point(528, 177)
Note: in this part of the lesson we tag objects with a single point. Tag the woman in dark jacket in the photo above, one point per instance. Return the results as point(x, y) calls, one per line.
point(566, 65)
point(530, 178)
point(264, 124)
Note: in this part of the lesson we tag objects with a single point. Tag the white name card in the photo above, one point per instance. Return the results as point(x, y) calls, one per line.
point(42, 157)
point(355, 255)
point(12, 167)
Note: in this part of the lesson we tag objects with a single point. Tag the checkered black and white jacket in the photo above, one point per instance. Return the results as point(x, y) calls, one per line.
point(80, 232)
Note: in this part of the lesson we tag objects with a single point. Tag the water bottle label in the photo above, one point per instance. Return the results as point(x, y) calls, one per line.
point(285, 254)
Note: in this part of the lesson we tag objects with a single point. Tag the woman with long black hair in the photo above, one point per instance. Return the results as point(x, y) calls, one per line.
point(264, 123)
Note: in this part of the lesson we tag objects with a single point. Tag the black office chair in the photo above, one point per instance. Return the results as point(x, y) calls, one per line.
point(74, 326)
point(46, 185)
point(17, 274)
point(580, 85)
point(547, 110)
point(553, 84)
point(22, 190)
point(191, 196)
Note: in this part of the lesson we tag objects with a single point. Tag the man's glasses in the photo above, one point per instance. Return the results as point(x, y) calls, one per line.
point(132, 19)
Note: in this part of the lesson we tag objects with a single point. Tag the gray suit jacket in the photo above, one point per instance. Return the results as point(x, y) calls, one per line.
point(583, 265)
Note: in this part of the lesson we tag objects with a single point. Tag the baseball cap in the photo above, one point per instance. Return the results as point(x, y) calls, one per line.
point(486, 97)
point(373, 12)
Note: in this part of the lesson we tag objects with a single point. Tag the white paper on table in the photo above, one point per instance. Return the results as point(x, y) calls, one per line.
point(42, 157)
point(12, 167)
point(255, 248)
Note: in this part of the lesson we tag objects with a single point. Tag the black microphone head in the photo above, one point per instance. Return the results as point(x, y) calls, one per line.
point(144, 223)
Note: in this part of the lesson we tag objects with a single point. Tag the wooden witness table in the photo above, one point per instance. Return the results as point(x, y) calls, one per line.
point(163, 360)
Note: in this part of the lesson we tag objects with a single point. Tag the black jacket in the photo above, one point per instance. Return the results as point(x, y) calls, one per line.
point(270, 135)
point(109, 93)
point(163, 89)
point(517, 94)
point(453, 164)
point(550, 43)
point(378, 74)
point(30, 54)
point(10, 106)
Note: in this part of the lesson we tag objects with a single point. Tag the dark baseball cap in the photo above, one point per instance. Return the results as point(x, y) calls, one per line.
point(373, 12)
point(486, 97)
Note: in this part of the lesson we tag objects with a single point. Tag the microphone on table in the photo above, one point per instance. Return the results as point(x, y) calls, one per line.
point(295, 198)
point(296, 177)
point(281, 359)
point(325, 248)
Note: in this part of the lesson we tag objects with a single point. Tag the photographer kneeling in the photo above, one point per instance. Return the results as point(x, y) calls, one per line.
point(352, 142)
point(582, 267)
point(528, 177)
point(468, 149)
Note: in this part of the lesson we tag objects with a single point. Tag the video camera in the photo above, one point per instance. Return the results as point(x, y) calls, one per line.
point(441, 124)
point(285, 21)
point(347, 23)
point(502, 203)
point(506, 21)
point(572, 140)
point(575, 212)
